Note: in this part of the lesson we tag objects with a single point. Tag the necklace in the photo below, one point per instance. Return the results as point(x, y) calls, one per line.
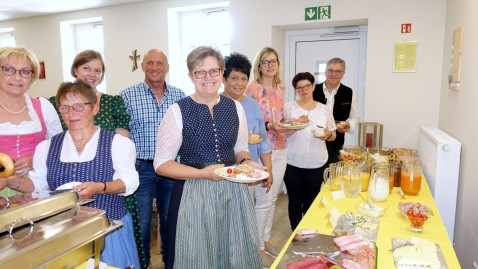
point(14, 112)
point(78, 145)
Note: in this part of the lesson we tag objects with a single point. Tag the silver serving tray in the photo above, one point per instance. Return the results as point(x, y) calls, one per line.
point(63, 240)
point(36, 206)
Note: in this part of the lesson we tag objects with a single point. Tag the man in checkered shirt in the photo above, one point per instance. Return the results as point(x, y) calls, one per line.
point(146, 103)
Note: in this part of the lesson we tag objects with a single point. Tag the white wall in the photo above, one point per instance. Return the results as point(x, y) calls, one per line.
point(401, 101)
point(457, 116)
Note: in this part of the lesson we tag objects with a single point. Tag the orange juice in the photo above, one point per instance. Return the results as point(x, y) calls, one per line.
point(391, 180)
point(411, 183)
point(365, 179)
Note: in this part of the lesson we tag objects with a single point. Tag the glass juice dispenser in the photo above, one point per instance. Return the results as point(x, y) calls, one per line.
point(370, 135)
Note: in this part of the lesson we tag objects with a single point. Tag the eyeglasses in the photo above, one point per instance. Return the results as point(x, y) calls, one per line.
point(78, 107)
point(212, 72)
point(272, 62)
point(337, 72)
point(304, 88)
point(10, 71)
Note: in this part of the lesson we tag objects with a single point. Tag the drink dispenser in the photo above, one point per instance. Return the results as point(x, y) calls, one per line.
point(370, 134)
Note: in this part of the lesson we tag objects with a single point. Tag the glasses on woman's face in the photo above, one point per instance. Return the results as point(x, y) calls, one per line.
point(203, 73)
point(272, 62)
point(78, 107)
point(10, 71)
point(306, 87)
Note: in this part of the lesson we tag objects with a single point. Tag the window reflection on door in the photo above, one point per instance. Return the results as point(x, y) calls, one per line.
point(319, 73)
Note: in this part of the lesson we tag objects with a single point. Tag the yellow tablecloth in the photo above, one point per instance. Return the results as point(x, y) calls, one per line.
point(392, 224)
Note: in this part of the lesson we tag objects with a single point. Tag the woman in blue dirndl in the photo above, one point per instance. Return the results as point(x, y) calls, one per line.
point(211, 221)
point(98, 163)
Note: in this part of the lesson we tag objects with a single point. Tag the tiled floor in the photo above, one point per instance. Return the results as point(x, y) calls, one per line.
point(280, 231)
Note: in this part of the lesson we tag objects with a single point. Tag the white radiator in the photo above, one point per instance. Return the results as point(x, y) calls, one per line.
point(439, 155)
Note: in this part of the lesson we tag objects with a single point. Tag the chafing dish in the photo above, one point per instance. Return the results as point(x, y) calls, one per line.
point(51, 230)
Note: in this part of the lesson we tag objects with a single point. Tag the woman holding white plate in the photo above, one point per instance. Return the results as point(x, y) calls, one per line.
point(211, 221)
point(306, 149)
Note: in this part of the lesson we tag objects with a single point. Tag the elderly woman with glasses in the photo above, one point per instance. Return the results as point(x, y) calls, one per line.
point(307, 152)
point(24, 121)
point(97, 162)
point(211, 221)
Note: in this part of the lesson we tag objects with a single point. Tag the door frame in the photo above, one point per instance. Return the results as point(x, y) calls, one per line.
point(337, 33)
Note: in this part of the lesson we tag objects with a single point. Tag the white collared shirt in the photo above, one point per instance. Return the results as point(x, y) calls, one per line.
point(353, 119)
point(123, 154)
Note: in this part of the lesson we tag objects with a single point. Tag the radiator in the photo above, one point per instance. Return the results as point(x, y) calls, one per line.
point(439, 155)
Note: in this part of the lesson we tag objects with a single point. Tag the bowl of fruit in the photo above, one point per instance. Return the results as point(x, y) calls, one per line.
point(417, 215)
point(417, 221)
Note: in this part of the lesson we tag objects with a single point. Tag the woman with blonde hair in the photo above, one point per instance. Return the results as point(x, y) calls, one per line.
point(268, 91)
point(24, 121)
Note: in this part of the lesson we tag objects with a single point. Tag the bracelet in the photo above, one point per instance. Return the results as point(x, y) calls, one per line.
point(245, 159)
point(104, 187)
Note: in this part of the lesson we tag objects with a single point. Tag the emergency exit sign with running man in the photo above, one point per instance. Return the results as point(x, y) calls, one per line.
point(317, 13)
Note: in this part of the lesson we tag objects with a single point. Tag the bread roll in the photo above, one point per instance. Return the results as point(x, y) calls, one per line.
point(7, 166)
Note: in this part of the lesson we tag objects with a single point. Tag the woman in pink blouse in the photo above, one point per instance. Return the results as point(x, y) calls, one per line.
point(24, 121)
point(268, 91)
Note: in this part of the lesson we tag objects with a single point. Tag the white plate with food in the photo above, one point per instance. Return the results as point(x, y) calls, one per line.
point(295, 125)
point(68, 186)
point(241, 173)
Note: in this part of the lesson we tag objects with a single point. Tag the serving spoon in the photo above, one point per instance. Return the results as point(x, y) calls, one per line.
point(367, 201)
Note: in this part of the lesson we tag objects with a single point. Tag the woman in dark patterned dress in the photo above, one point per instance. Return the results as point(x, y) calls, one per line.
point(211, 221)
point(89, 67)
point(99, 163)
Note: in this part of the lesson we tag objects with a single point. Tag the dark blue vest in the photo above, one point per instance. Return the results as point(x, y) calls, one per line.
point(208, 138)
point(100, 169)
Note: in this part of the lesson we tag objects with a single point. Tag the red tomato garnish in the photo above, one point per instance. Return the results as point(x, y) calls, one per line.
point(409, 212)
point(229, 170)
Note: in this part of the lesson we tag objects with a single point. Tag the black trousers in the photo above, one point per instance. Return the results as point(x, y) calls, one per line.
point(303, 185)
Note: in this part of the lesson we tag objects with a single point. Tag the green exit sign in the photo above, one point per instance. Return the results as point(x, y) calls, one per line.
point(317, 13)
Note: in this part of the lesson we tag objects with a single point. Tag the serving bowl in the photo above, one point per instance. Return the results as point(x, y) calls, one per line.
point(372, 210)
point(319, 132)
point(417, 222)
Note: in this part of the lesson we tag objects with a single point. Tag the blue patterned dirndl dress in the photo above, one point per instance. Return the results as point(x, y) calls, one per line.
point(211, 224)
point(120, 247)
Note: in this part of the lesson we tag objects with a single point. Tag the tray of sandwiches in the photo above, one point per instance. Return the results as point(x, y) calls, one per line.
point(52, 229)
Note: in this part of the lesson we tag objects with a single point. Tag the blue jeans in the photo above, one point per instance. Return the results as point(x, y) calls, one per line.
point(151, 185)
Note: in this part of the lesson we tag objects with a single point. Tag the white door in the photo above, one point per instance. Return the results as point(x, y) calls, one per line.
point(309, 51)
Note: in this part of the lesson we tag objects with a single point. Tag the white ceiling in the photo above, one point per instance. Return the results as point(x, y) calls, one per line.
point(15, 9)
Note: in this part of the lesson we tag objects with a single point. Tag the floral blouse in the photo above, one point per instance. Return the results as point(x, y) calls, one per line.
point(272, 106)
